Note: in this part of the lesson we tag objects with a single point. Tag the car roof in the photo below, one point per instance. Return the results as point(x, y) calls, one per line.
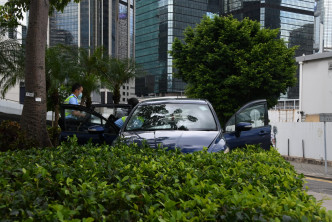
point(173, 100)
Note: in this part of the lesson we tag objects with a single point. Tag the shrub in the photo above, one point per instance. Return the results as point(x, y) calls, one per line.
point(12, 137)
point(54, 133)
point(129, 183)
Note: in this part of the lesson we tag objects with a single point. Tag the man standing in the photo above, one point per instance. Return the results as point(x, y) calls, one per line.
point(76, 90)
point(76, 95)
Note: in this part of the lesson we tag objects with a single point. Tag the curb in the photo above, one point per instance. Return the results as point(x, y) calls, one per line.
point(318, 177)
point(307, 160)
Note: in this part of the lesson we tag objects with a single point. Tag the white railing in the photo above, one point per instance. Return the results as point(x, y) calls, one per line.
point(286, 104)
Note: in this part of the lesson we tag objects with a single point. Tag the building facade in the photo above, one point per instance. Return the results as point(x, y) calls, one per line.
point(316, 81)
point(294, 19)
point(157, 24)
point(323, 26)
point(94, 23)
point(17, 92)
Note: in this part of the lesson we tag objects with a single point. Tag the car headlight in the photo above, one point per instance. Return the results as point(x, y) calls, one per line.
point(219, 144)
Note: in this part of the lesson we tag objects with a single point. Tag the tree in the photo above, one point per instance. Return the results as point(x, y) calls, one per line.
point(85, 68)
point(33, 117)
point(117, 72)
point(58, 69)
point(11, 63)
point(229, 63)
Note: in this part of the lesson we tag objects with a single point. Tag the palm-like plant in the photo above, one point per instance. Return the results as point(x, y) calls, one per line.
point(11, 63)
point(58, 69)
point(85, 68)
point(116, 72)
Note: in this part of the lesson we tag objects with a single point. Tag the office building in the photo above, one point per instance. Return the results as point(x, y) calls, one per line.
point(323, 26)
point(94, 23)
point(294, 19)
point(17, 92)
point(157, 24)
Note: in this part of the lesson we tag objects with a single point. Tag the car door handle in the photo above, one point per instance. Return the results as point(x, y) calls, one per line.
point(262, 133)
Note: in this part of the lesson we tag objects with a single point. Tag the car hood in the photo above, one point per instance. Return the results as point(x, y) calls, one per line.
point(187, 141)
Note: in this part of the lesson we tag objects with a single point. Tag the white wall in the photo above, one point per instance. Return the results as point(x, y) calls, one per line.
point(16, 109)
point(317, 87)
point(13, 94)
point(288, 115)
point(311, 133)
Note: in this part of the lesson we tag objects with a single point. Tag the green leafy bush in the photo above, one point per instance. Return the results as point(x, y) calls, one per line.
point(128, 183)
point(54, 133)
point(12, 137)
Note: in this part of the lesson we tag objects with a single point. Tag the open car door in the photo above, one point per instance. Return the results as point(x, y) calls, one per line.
point(249, 125)
point(95, 125)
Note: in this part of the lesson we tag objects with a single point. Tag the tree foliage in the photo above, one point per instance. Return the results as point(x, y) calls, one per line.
point(58, 71)
point(12, 11)
point(116, 72)
point(85, 68)
point(11, 63)
point(33, 117)
point(230, 63)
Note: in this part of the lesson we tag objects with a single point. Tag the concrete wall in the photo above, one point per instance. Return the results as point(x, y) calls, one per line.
point(317, 87)
point(15, 108)
point(13, 94)
point(288, 115)
point(312, 135)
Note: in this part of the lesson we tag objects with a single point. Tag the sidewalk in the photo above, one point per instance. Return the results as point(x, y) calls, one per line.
point(313, 170)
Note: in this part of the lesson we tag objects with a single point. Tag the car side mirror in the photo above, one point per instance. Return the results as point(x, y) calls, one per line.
point(243, 126)
point(96, 129)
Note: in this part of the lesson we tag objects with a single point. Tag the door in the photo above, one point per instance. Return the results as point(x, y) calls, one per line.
point(256, 114)
point(77, 121)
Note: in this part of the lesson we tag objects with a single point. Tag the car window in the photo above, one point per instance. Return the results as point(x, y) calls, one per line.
point(117, 112)
point(254, 114)
point(75, 122)
point(172, 117)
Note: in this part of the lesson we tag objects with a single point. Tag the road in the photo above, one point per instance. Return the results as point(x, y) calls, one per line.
point(321, 189)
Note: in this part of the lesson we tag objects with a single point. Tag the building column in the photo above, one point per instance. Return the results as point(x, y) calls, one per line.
point(300, 86)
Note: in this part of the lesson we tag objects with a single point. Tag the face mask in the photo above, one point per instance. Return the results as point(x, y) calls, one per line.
point(80, 96)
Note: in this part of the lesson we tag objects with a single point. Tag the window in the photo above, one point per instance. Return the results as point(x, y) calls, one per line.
point(254, 114)
point(75, 122)
point(192, 117)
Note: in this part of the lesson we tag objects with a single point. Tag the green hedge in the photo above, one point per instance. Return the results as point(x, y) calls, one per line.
point(74, 183)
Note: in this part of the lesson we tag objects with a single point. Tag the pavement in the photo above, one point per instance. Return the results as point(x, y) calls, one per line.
point(318, 181)
point(313, 170)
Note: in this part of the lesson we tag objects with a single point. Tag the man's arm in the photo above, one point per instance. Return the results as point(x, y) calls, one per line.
point(77, 113)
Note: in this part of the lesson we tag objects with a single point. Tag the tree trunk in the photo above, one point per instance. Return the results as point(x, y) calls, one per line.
point(88, 101)
point(116, 94)
point(57, 115)
point(33, 119)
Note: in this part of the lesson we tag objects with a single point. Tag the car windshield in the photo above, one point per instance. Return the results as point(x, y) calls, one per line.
point(195, 117)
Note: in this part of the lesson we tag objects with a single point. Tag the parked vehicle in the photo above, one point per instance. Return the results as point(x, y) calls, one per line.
point(187, 124)
point(97, 125)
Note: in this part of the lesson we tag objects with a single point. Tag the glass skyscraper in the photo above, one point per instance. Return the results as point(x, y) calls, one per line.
point(158, 22)
point(323, 26)
point(94, 23)
point(294, 19)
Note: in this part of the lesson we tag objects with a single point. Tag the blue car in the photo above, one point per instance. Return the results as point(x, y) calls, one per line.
point(187, 124)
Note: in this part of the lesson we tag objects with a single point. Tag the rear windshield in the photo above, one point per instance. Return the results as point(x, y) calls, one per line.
point(172, 117)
